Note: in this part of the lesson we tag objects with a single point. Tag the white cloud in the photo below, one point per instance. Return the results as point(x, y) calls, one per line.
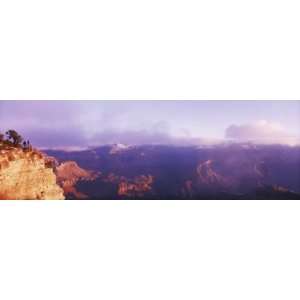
point(262, 132)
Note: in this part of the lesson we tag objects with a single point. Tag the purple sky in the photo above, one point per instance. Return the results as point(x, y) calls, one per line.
point(58, 124)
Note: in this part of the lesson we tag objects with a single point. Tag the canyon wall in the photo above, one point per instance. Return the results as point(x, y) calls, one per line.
point(68, 174)
point(27, 175)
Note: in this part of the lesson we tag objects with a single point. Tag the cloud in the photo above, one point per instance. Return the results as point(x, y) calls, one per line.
point(261, 132)
point(145, 137)
point(82, 124)
point(72, 137)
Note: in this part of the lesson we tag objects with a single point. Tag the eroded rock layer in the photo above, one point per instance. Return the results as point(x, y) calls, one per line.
point(27, 175)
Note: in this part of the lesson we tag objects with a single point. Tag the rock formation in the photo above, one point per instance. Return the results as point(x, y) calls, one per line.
point(27, 175)
point(137, 188)
point(68, 174)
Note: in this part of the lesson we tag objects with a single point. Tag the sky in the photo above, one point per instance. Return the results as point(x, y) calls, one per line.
point(80, 124)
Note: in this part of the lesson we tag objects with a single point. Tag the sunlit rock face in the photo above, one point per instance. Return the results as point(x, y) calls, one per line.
point(135, 188)
point(68, 174)
point(27, 176)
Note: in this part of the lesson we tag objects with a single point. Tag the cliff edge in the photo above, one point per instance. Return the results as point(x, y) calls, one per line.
point(27, 175)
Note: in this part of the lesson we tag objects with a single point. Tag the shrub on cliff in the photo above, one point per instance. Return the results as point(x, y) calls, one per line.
point(14, 140)
point(14, 137)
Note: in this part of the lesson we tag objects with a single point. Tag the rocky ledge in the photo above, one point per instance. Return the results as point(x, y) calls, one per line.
point(27, 175)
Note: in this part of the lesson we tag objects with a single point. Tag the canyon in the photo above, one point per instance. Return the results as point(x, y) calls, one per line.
point(172, 172)
point(152, 172)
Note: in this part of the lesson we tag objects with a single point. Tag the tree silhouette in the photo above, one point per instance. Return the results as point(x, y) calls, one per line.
point(13, 136)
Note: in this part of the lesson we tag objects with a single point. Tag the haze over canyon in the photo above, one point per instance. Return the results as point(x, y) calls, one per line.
point(150, 150)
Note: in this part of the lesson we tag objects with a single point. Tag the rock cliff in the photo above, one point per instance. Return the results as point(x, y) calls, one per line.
point(27, 175)
point(68, 174)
